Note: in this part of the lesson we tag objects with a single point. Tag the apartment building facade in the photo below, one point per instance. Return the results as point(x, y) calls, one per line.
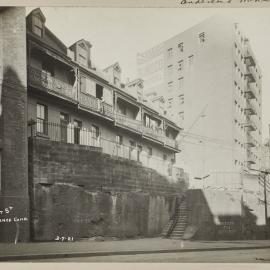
point(213, 89)
point(72, 102)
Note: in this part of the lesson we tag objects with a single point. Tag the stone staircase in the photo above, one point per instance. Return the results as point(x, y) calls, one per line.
point(176, 226)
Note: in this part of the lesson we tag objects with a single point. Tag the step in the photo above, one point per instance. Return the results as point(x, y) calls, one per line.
point(179, 229)
point(177, 232)
point(180, 225)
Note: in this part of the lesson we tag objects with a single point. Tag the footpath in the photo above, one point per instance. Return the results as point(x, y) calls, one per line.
point(50, 250)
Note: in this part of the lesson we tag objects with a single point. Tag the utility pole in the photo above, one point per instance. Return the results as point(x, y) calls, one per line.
point(265, 173)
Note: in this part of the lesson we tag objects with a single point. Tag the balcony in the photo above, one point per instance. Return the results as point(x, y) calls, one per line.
point(40, 79)
point(250, 76)
point(171, 143)
point(96, 105)
point(250, 125)
point(124, 121)
point(239, 63)
point(250, 109)
point(254, 73)
point(250, 91)
point(250, 61)
point(157, 134)
point(250, 141)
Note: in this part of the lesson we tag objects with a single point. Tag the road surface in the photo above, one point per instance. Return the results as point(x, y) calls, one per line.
point(227, 256)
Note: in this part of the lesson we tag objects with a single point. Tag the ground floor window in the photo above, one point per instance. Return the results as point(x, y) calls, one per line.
point(42, 118)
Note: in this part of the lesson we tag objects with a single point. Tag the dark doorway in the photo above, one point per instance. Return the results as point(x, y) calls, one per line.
point(99, 91)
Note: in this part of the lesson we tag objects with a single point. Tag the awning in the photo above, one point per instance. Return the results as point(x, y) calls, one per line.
point(50, 53)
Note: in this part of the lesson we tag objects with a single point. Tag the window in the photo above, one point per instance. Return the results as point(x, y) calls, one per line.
point(202, 37)
point(122, 109)
point(64, 121)
point(132, 144)
point(170, 87)
point(164, 157)
point(77, 129)
point(37, 26)
point(82, 55)
point(170, 69)
point(170, 52)
point(116, 81)
point(181, 99)
point(190, 60)
point(95, 131)
point(181, 47)
point(180, 83)
point(181, 115)
point(83, 84)
point(47, 69)
point(150, 151)
point(119, 139)
point(180, 65)
point(170, 102)
point(42, 118)
point(99, 91)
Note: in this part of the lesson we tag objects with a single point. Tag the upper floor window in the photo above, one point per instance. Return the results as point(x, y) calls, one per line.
point(170, 69)
point(181, 99)
point(47, 68)
point(37, 26)
point(180, 65)
point(180, 83)
point(83, 84)
point(170, 86)
point(202, 37)
point(170, 52)
point(190, 60)
point(82, 55)
point(181, 47)
point(96, 132)
point(150, 151)
point(122, 109)
point(119, 139)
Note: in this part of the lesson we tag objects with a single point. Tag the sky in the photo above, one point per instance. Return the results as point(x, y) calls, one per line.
point(118, 34)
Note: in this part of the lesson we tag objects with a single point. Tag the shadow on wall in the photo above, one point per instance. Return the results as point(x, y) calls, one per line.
point(14, 224)
point(218, 218)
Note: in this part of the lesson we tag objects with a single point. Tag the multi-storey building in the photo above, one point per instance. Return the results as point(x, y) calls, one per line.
point(213, 89)
point(71, 101)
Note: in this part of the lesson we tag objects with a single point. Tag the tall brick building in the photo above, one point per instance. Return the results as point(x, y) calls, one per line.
point(214, 91)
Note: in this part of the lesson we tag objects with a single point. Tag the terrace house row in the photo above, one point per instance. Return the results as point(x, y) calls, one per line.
point(70, 101)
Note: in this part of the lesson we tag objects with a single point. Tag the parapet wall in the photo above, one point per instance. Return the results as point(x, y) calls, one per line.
point(79, 192)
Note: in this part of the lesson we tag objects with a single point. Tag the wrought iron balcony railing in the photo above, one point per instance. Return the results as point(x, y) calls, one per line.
point(157, 134)
point(127, 122)
point(41, 79)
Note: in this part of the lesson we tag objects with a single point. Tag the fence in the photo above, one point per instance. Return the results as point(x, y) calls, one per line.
point(82, 136)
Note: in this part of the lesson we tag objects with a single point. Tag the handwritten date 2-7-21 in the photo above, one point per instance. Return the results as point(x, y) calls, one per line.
point(64, 238)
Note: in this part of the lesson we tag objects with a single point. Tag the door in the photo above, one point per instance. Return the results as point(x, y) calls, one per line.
point(64, 120)
point(77, 131)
